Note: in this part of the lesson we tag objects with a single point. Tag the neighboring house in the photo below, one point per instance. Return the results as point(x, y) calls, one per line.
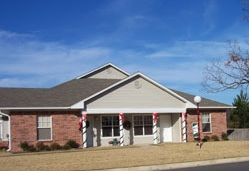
point(112, 104)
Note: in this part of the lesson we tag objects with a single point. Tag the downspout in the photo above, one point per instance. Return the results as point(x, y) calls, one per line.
point(9, 137)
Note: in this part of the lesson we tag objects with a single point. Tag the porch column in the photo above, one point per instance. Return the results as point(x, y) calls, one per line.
point(184, 127)
point(121, 129)
point(155, 138)
point(84, 119)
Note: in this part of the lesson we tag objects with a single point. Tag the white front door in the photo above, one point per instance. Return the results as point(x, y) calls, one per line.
point(165, 128)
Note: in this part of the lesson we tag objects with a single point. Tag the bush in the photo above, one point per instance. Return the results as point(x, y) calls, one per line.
point(40, 146)
point(66, 147)
point(32, 148)
point(224, 136)
point(47, 148)
point(206, 138)
point(72, 144)
point(24, 145)
point(55, 146)
point(215, 138)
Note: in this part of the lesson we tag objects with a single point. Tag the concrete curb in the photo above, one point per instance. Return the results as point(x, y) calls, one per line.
point(181, 165)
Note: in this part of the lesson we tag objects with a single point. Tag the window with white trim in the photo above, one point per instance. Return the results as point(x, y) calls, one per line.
point(110, 126)
point(44, 127)
point(206, 122)
point(143, 125)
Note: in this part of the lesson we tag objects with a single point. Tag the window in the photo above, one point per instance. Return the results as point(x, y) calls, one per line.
point(206, 122)
point(44, 128)
point(143, 125)
point(110, 126)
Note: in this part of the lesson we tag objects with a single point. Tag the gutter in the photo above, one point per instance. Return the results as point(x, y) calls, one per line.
point(34, 108)
point(9, 138)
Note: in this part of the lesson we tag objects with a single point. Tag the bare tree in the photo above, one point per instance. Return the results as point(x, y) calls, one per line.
point(232, 73)
point(245, 9)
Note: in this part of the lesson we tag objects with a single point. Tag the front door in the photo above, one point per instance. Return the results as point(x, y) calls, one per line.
point(165, 128)
point(89, 131)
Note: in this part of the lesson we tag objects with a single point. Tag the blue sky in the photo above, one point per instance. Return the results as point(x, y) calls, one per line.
point(44, 43)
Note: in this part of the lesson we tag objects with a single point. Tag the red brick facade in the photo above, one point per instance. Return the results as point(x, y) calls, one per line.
point(65, 126)
point(24, 128)
point(218, 124)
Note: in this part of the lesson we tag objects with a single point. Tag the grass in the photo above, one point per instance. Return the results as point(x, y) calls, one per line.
point(127, 156)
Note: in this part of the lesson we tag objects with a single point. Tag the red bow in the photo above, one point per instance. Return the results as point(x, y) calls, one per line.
point(155, 116)
point(122, 117)
point(84, 116)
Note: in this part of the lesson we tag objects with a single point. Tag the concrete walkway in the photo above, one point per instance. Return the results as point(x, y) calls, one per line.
point(181, 165)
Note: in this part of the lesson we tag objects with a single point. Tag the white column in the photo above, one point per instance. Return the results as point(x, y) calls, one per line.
point(84, 119)
point(184, 127)
point(155, 138)
point(121, 129)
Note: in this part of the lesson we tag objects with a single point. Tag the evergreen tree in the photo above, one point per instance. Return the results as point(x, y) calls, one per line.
point(240, 115)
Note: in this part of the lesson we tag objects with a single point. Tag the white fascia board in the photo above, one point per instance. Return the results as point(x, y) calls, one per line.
point(165, 88)
point(135, 110)
point(108, 64)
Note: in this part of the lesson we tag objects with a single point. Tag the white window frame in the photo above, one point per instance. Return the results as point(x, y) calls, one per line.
point(44, 127)
point(112, 136)
point(210, 123)
point(143, 125)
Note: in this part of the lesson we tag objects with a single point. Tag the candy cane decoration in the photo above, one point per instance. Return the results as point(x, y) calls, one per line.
point(121, 128)
point(155, 138)
point(84, 119)
point(184, 127)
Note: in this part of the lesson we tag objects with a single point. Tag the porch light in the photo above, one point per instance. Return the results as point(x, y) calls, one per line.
point(197, 100)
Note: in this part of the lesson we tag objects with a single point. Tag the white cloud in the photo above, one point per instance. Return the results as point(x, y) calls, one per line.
point(193, 49)
point(22, 57)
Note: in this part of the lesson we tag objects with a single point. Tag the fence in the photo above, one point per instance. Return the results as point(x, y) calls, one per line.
point(238, 134)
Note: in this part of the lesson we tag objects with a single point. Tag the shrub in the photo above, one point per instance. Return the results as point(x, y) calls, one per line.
point(47, 148)
point(66, 147)
point(224, 136)
point(72, 144)
point(40, 146)
point(55, 146)
point(215, 138)
point(32, 148)
point(206, 138)
point(24, 145)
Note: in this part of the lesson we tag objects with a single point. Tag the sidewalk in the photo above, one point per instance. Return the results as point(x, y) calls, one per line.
point(181, 165)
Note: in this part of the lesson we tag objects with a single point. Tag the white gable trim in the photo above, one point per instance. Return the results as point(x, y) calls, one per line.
point(99, 68)
point(81, 103)
point(137, 110)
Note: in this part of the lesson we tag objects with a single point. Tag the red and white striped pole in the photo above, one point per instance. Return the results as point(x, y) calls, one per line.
point(121, 129)
point(84, 119)
point(155, 138)
point(184, 127)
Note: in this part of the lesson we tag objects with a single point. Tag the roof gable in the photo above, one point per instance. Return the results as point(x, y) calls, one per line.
point(108, 71)
point(132, 93)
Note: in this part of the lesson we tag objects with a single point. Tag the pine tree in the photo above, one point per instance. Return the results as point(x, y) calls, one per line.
point(240, 115)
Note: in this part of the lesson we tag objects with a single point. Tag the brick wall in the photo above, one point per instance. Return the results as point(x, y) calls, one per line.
point(218, 124)
point(24, 128)
point(65, 127)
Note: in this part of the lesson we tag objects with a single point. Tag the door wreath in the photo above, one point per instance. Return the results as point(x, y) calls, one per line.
point(127, 125)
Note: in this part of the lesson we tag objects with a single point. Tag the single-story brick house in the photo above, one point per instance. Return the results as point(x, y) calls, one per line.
point(101, 105)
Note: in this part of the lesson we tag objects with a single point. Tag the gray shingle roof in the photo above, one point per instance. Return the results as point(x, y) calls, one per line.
point(204, 101)
point(69, 93)
point(63, 95)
